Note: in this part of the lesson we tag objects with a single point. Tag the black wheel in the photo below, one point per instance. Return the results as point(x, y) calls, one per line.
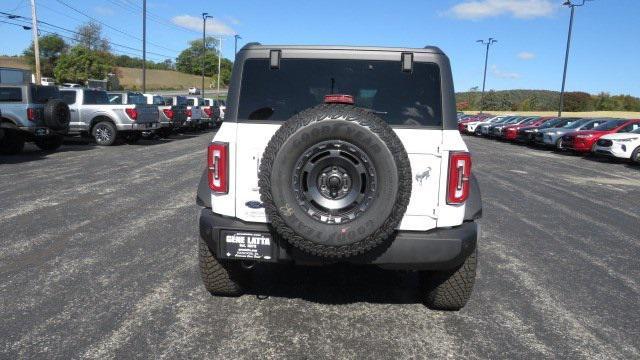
point(335, 181)
point(57, 115)
point(450, 290)
point(12, 142)
point(220, 278)
point(635, 155)
point(49, 143)
point(105, 133)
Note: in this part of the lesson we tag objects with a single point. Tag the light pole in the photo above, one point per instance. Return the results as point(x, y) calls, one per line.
point(566, 54)
point(205, 16)
point(486, 59)
point(235, 47)
point(36, 45)
point(144, 46)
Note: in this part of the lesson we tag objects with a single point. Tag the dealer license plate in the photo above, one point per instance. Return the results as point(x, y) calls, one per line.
point(246, 245)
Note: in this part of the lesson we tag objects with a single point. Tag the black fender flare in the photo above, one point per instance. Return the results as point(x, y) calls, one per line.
point(203, 196)
point(473, 208)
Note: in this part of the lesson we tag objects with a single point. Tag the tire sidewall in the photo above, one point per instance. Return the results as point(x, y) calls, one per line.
point(112, 140)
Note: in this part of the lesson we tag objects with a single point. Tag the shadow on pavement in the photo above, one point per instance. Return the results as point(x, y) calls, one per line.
point(33, 153)
point(337, 284)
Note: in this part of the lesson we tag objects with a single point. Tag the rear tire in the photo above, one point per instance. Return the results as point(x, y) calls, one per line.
point(12, 143)
point(635, 156)
point(450, 290)
point(105, 133)
point(219, 278)
point(50, 143)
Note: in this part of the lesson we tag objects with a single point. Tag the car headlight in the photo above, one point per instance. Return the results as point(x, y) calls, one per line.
point(584, 136)
point(626, 140)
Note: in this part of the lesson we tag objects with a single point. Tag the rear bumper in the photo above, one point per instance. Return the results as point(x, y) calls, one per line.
point(138, 126)
point(437, 249)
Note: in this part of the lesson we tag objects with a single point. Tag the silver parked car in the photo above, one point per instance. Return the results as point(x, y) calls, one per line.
point(553, 136)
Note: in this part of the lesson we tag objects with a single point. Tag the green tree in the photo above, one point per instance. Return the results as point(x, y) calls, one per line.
point(577, 101)
point(51, 48)
point(90, 36)
point(190, 61)
point(81, 63)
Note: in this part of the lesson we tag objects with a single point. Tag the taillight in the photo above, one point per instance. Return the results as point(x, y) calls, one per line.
point(132, 114)
point(31, 114)
point(217, 167)
point(459, 177)
point(207, 111)
point(187, 112)
point(339, 99)
point(168, 113)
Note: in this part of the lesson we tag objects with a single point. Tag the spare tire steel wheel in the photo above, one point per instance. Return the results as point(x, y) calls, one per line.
point(335, 181)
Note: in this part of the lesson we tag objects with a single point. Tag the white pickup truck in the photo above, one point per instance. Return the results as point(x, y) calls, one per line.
point(92, 114)
point(358, 161)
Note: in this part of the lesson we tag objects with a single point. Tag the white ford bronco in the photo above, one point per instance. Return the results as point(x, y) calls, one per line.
point(334, 154)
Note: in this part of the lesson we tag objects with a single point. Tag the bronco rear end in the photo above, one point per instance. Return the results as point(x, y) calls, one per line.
point(341, 155)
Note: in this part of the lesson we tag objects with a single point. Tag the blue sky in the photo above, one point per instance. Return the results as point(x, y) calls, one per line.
point(605, 54)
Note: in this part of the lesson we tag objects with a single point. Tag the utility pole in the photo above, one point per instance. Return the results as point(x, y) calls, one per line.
point(144, 46)
point(235, 47)
point(205, 16)
point(566, 54)
point(486, 59)
point(219, 57)
point(36, 45)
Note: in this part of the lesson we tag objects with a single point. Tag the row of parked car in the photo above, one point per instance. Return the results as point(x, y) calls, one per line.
point(618, 138)
point(46, 114)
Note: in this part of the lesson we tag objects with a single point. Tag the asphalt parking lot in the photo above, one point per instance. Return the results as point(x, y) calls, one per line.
point(98, 259)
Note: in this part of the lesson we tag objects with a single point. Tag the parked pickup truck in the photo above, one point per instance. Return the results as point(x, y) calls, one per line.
point(34, 113)
point(170, 115)
point(194, 112)
point(92, 114)
point(217, 108)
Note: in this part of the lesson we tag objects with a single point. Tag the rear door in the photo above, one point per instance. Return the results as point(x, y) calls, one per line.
point(409, 102)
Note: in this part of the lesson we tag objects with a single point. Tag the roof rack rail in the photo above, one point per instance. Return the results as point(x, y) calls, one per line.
point(250, 44)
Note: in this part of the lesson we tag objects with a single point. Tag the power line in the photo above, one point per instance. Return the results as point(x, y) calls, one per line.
point(152, 16)
point(27, 19)
point(113, 28)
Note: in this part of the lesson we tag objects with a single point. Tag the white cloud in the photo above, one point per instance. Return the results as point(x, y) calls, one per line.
point(103, 10)
point(522, 9)
point(525, 55)
point(503, 74)
point(233, 20)
point(214, 27)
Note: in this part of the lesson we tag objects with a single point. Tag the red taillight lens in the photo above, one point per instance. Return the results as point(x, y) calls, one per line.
point(132, 114)
point(339, 99)
point(217, 167)
point(207, 111)
point(459, 177)
point(187, 112)
point(31, 114)
point(168, 113)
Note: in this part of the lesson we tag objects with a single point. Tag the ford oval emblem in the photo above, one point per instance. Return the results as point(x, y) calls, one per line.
point(254, 204)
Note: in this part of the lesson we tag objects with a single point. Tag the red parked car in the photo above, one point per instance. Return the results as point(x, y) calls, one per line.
point(511, 131)
point(583, 141)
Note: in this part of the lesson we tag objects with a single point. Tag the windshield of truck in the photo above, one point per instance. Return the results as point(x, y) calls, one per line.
point(400, 98)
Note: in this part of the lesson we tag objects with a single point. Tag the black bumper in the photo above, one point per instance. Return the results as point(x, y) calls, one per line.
point(436, 249)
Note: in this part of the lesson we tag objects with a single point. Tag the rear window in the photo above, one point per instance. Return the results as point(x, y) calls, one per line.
point(68, 97)
point(95, 97)
point(181, 101)
point(136, 99)
point(610, 125)
point(191, 102)
point(10, 94)
point(400, 98)
point(41, 94)
point(158, 100)
point(115, 99)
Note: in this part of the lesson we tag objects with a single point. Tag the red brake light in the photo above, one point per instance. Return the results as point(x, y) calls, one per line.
point(188, 112)
point(339, 99)
point(207, 111)
point(168, 113)
point(132, 113)
point(217, 167)
point(459, 177)
point(31, 114)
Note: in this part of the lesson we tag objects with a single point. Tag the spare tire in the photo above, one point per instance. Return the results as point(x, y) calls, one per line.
point(335, 181)
point(57, 115)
